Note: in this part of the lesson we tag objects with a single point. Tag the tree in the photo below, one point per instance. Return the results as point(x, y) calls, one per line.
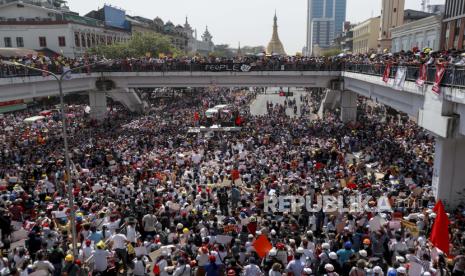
point(139, 45)
point(222, 50)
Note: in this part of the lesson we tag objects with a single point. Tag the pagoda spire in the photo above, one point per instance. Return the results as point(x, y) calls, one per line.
point(275, 46)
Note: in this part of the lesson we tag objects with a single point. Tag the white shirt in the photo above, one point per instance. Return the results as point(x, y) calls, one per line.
point(131, 234)
point(149, 221)
point(252, 270)
point(100, 260)
point(183, 270)
point(119, 241)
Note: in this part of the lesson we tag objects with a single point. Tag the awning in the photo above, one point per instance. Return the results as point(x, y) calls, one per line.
point(17, 52)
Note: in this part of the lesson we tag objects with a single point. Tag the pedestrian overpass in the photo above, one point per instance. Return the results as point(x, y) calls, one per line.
point(441, 115)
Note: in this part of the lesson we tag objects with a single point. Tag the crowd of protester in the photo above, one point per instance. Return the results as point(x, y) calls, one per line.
point(58, 64)
point(153, 199)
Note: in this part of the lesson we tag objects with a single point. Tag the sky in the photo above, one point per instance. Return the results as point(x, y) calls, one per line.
point(246, 21)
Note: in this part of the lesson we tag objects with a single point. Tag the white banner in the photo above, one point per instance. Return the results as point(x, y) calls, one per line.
point(399, 80)
point(66, 69)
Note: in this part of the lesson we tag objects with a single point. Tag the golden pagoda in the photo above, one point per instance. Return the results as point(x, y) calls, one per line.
point(275, 46)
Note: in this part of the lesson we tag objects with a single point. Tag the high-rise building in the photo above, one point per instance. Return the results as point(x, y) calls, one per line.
point(392, 15)
point(453, 26)
point(325, 20)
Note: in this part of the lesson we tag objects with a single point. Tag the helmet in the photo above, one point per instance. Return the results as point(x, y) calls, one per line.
point(329, 267)
point(231, 272)
point(348, 245)
point(367, 241)
point(325, 245)
point(69, 258)
point(377, 269)
point(212, 258)
point(185, 230)
point(300, 250)
point(333, 255)
point(363, 253)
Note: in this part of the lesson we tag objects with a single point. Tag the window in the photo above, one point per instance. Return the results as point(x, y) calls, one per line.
point(61, 41)
point(77, 41)
point(19, 42)
point(8, 42)
point(83, 41)
point(395, 9)
point(42, 41)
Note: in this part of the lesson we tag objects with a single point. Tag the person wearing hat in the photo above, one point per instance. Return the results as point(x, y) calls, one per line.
point(329, 270)
point(70, 268)
point(295, 266)
point(333, 259)
point(100, 258)
point(86, 251)
point(42, 264)
point(252, 269)
point(345, 253)
point(212, 269)
point(359, 269)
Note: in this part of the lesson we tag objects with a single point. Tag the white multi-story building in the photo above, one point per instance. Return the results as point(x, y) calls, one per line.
point(421, 33)
point(39, 26)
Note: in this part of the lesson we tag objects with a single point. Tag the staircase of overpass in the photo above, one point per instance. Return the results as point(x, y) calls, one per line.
point(438, 113)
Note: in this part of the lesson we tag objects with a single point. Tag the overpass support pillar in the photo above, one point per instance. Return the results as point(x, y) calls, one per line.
point(449, 173)
point(98, 105)
point(348, 106)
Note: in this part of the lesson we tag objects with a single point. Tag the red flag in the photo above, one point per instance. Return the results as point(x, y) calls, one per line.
point(387, 73)
point(440, 70)
point(235, 174)
point(45, 67)
point(262, 246)
point(440, 233)
point(238, 121)
point(422, 75)
point(196, 116)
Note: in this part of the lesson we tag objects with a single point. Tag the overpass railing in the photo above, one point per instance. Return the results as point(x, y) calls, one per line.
point(454, 76)
point(18, 71)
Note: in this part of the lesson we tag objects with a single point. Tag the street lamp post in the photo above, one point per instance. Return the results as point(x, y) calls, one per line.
point(59, 79)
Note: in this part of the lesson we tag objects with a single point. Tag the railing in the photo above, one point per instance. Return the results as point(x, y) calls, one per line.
point(454, 76)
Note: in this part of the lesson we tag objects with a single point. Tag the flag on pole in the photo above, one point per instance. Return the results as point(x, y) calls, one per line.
point(399, 79)
point(422, 75)
point(262, 246)
point(440, 233)
point(440, 71)
point(387, 73)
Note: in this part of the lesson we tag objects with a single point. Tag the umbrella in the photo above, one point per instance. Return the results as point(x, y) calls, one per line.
point(17, 52)
point(87, 109)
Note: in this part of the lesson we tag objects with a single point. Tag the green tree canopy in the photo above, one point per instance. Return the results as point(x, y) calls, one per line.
point(140, 45)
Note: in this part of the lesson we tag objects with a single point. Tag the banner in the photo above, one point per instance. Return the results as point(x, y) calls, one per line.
point(387, 73)
point(235, 67)
point(66, 69)
point(440, 71)
point(45, 68)
point(422, 75)
point(399, 79)
point(411, 227)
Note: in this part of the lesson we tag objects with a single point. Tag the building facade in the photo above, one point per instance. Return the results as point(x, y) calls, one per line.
point(45, 29)
point(392, 15)
point(365, 36)
point(325, 20)
point(453, 26)
point(421, 33)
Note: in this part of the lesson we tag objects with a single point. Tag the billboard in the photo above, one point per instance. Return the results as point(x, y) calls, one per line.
point(115, 17)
